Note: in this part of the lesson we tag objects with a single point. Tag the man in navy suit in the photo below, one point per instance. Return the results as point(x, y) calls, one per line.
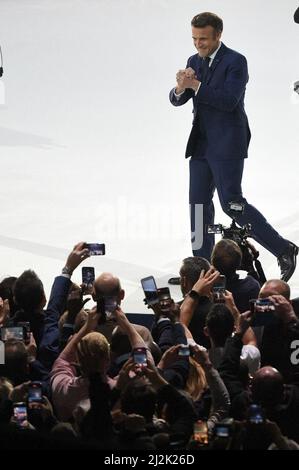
point(215, 78)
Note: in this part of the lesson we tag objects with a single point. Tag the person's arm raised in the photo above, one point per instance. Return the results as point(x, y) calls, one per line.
point(77, 255)
point(202, 288)
point(88, 327)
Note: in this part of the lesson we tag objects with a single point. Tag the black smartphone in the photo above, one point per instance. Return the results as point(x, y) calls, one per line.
point(165, 300)
point(96, 249)
point(150, 290)
point(164, 293)
point(256, 414)
point(35, 394)
point(262, 305)
point(220, 283)
point(88, 275)
point(20, 416)
point(26, 326)
point(200, 432)
point(110, 305)
point(222, 430)
point(140, 357)
point(263, 312)
point(219, 289)
point(13, 332)
point(184, 350)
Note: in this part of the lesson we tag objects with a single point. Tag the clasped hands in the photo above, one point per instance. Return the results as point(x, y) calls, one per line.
point(186, 79)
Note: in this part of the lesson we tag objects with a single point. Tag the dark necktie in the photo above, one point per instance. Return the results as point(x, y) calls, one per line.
point(205, 69)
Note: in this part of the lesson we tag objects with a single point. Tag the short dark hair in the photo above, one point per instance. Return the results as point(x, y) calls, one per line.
point(6, 292)
point(207, 19)
point(16, 362)
point(139, 397)
point(220, 322)
point(193, 266)
point(120, 343)
point(29, 291)
point(226, 257)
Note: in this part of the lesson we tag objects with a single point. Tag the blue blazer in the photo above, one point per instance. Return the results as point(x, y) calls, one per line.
point(220, 129)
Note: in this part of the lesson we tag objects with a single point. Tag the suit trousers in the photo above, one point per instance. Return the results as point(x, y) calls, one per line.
point(226, 177)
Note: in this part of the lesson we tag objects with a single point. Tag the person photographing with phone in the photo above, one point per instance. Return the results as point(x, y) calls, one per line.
point(109, 294)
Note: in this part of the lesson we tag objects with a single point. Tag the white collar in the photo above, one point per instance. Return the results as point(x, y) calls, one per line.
point(212, 56)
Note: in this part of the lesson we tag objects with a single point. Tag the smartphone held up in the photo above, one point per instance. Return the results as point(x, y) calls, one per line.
point(96, 249)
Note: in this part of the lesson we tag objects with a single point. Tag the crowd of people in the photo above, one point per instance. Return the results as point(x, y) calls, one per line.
point(216, 371)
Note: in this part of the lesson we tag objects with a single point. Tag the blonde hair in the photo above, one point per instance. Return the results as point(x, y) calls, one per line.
point(197, 382)
point(93, 353)
point(6, 389)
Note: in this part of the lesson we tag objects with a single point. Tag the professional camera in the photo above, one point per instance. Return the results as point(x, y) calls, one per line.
point(239, 235)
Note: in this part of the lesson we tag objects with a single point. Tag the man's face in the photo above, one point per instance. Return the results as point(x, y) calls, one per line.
point(206, 40)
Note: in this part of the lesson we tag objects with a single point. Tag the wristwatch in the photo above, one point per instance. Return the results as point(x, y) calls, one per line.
point(67, 270)
point(193, 294)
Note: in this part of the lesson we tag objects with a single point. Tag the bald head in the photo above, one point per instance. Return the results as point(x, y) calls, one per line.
point(107, 285)
point(275, 287)
point(267, 386)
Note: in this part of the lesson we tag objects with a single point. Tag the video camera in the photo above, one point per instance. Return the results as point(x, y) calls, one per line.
point(239, 235)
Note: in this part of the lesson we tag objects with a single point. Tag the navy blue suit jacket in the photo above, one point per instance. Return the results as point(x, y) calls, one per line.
point(220, 128)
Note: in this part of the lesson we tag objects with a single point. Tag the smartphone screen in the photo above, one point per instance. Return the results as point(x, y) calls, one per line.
point(184, 350)
point(264, 305)
point(96, 249)
point(88, 275)
point(256, 414)
point(200, 432)
point(165, 300)
point(220, 283)
point(263, 312)
point(26, 329)
point(140, 357)
point(219, 290)
point(150, 290)
point(110, 305)
point(221, 430)
point(164, 293)
point(14, 332)
point(35, 393)
point(20, 414)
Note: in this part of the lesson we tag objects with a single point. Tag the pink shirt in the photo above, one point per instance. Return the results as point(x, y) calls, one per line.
point(67, 389)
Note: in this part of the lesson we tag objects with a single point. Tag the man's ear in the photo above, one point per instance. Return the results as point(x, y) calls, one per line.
point(218, 35)
point(122, 294)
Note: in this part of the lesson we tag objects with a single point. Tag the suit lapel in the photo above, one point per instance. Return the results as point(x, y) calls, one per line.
point(219, 56)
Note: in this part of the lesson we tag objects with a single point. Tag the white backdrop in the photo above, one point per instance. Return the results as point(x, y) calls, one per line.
point(91, 148)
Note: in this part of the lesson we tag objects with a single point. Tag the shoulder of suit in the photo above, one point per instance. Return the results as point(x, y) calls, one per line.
point(224, 51)
point(193, 59)
point(232, 52)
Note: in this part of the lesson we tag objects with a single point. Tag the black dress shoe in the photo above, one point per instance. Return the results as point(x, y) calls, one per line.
point(175, 281)
point(287, 262)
